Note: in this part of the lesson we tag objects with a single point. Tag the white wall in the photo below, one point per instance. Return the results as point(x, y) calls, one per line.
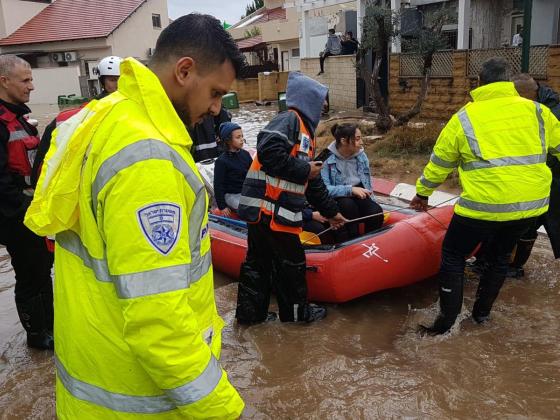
point(544, 22)
point(137, 34)
point(54, 81)
point(14, 13)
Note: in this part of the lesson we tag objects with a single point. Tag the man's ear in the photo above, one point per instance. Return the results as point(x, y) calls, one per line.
point(183, 68)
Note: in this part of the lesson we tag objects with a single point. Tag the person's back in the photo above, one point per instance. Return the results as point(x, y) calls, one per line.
point(500, 134)
point(333, 45)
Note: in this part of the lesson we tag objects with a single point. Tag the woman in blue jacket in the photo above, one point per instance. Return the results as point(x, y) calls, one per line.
point(347, 177)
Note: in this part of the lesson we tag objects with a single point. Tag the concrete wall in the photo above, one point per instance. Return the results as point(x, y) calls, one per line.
point(447, 95)
point(339, 76)
point(136, 35)
point(544, 13)
point(272, 83)
point(247, 89)
point(51, 82)
point(14, 13)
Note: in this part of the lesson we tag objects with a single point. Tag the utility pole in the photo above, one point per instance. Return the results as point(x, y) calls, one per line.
point(527, 8)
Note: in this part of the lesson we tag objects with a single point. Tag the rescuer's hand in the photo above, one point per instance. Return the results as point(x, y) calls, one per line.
point(337, 221)
point(315, 169)
point(419, 203)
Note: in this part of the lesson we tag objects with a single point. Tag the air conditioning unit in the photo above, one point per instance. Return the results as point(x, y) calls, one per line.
point(58, 57)
point(71, 56)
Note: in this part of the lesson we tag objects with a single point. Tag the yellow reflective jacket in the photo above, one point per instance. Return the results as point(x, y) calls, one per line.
point(499, 143)
point(136, 328)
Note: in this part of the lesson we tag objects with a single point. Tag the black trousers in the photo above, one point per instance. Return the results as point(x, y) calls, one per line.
point(272, 258)
point(31, 260)
point(352, 208)
point(462, 237)
point(322, 59)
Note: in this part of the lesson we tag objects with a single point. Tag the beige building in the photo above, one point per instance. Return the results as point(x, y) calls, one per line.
point(63, 55)
point(270, 35)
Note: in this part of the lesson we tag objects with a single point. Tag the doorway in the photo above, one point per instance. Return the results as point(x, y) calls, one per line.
point(285, 60)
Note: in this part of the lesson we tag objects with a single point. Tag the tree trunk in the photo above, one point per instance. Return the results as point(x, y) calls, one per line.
point(384, 121)
point(415, 110)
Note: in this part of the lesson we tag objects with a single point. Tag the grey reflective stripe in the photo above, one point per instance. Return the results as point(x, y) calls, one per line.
point(112, 400)
point(18, 135)
point(198, 388)
point(285, 185)
point(469, 133)
point(443, 163)
point(427, 183)
point(205, 146)
point(503, 208)
point(72, 243)
point(506, 161)
point(160, 280)
point(541, 127)
point(279, 134)
point(252, 174)
point(290, 215)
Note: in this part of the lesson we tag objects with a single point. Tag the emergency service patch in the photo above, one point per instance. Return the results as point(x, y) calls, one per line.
point(304, 144)
point(161, 224)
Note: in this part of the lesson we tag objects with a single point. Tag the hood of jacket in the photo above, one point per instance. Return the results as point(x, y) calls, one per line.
point(332, 148)
point(306, 96)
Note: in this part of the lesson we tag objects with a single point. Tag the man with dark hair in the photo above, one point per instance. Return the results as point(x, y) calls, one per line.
point(136, 326)
point(499, 142)
point(332, 47)
point(30, 258)
point(349, 44)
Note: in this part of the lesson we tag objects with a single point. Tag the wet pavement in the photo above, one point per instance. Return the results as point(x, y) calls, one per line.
point(365, 360)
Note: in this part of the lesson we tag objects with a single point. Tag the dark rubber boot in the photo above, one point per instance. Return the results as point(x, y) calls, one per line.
point(36, 316)
point(486, 294)
point(311, 313)
point(450, 303)
point(253, 296)
point(522, 254)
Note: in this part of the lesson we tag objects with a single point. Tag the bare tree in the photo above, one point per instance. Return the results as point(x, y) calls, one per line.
point(379, 28)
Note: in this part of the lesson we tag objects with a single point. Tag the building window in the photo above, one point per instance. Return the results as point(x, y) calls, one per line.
point(295, 52)
point(156, 20)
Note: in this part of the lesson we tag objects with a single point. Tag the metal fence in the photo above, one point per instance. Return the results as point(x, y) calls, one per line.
point(538, 60)
point(442, 64)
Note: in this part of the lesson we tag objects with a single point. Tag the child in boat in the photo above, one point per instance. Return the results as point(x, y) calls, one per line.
point(347, 176)
point(230, 168)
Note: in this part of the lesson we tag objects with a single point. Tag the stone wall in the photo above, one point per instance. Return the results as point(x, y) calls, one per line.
point(447, 95)
point(247, 89)
point(339, 76)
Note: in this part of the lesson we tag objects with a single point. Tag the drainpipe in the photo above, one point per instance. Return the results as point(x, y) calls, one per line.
point(527, 9)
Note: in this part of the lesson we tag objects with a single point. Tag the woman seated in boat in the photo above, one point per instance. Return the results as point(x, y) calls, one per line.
point(230, 168)
point(347, 176)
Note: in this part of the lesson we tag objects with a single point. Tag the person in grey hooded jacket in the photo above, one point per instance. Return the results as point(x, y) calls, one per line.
point(282, 177)
point(332, 47)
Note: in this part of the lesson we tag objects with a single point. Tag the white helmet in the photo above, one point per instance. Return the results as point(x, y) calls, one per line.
point(109, 66)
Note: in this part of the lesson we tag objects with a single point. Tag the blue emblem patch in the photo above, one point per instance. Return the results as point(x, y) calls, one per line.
point(161, 224)
point(304, 144)
point(204, 232)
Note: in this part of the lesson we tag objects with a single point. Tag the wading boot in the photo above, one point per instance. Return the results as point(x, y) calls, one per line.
point(486, 294)
point(450, 303)
point(36, 316)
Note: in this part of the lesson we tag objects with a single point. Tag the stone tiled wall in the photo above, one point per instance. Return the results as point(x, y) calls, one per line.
point(339, 76)
point(447, 95)
point(263, 88)
point(246, 89)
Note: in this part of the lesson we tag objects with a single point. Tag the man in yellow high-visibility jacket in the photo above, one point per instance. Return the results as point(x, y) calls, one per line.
point(136, 328)
point(499, 143)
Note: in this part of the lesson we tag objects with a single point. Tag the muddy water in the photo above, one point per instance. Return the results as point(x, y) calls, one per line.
point(364, 360)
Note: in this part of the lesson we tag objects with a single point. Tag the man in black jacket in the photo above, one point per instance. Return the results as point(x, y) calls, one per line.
point(29, 255)
point(282, 176)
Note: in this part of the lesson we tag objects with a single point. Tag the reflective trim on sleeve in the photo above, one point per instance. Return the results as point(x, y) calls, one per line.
point(290, 215)
point(206, 146)
point(161, 280)
point(253, 174)
point(427, 183)
point(112, 400)
point(198, 388)
point(469, 133)
point(72, 243)
point(541, 127)
point(18, 135)
point(505, 161)
point(435, 159)
point(503, 208)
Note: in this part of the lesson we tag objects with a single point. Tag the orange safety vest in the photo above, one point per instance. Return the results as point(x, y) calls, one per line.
point(281, 200)
point(22, 146)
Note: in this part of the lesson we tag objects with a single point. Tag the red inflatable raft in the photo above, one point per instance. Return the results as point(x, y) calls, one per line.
point(405, 250)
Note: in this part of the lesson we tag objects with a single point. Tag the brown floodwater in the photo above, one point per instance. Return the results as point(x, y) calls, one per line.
point(364, 361)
